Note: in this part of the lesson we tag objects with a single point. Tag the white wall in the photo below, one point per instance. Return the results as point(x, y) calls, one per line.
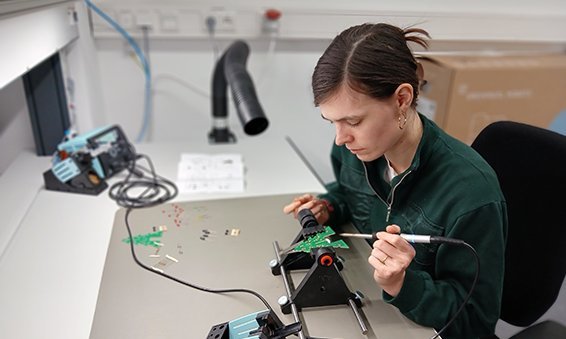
point(183, 59)
point(318, 19)
point(181, 113)
point(79, 61)
point(306, 28)
point(15, 126)
point(30, 32)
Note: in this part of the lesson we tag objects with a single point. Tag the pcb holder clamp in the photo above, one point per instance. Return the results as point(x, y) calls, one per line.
point(323, 284)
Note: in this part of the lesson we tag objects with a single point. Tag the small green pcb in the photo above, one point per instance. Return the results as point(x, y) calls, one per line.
point(320, 240)
point(146, 239)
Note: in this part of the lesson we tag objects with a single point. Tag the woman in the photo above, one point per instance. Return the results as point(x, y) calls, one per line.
point(397, 172)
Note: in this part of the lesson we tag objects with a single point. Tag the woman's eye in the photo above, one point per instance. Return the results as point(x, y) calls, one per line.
point(353, 123)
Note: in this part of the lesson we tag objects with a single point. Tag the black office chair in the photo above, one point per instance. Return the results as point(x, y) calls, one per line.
point(530, 163)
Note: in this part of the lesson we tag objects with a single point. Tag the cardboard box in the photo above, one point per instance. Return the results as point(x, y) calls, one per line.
point(463, 94)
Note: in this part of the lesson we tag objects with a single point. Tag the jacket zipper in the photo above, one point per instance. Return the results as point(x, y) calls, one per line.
point(392, 195)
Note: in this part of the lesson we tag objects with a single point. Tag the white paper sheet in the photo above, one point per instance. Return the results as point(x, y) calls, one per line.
point(202, 173)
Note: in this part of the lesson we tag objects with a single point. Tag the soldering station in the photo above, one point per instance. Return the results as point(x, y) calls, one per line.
point(83, 163)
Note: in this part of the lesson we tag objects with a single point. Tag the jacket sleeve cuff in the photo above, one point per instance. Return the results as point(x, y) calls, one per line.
point(410, 294)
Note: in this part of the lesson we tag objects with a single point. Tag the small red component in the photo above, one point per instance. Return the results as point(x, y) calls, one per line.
point(272, 14)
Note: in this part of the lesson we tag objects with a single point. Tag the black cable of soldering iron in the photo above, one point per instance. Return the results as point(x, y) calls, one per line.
point(471, 248)
point(160, 190)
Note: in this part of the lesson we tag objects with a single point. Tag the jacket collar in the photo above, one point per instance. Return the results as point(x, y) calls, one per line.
point(426, 145)
point(422, 154)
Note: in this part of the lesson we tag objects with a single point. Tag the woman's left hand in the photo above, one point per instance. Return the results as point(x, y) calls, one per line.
point(390, 257)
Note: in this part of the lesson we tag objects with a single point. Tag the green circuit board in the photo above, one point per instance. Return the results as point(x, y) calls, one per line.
point(146, 239)
point(320, 239)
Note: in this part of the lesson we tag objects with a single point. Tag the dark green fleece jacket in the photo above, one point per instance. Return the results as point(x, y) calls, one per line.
point(450, 191)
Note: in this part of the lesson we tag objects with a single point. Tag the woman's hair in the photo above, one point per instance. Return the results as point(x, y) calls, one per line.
point(372, 59)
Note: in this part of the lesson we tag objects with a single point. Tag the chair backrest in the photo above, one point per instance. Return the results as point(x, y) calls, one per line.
point(530, 163)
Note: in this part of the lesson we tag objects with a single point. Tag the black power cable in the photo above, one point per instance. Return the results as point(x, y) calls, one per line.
point(155, 190)
point(474, 282)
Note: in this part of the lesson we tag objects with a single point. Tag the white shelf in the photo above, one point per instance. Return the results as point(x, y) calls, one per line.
point(29, 37)
point(12, 6)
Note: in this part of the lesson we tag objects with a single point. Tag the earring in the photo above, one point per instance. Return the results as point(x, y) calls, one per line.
point(404, 122)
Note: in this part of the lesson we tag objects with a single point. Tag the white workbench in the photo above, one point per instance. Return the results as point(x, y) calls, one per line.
point(53, 245)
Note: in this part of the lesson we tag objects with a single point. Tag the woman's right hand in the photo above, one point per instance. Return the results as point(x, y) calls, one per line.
point(317, 206)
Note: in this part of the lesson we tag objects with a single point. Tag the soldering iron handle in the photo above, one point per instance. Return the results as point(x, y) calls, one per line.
point(430, 239)
point(416, 238)
point(412, 238)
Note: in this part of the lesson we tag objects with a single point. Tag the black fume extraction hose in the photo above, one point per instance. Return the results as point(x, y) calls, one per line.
point(231, 70)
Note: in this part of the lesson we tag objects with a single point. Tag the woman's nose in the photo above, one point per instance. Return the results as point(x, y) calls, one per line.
point(342, 137)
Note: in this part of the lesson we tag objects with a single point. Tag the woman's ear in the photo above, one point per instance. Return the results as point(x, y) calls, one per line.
point(404, 96)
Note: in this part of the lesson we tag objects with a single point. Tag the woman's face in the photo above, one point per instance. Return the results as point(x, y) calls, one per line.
point(368, 127)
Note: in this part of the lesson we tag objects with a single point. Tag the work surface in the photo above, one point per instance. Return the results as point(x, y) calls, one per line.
point(53, 245)
point(221, 244)
point(53, 248)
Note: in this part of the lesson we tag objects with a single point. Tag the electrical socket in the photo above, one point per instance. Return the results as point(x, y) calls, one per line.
point(144, 18)
point(225, 21)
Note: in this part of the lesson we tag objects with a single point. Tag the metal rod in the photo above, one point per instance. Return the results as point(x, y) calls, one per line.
point(354, 308)
point(289, 248)
point(356, 235)
point(287, 287)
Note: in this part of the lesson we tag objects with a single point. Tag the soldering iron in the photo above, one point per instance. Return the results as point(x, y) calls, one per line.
point(412, 238)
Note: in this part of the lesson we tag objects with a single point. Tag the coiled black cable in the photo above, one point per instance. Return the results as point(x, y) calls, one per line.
point(155, 189)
